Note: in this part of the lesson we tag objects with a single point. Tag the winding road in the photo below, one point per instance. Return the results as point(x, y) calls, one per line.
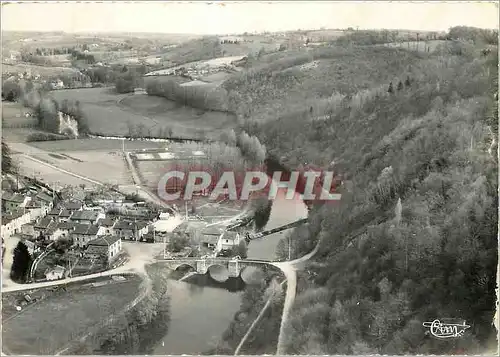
point(138, 261)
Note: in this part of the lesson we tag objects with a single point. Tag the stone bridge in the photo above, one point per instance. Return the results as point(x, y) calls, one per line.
point(202, 266)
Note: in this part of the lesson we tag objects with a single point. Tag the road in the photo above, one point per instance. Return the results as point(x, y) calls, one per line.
point(257, 319)
point(138, 262)
point(140, 254)
point(289, 269)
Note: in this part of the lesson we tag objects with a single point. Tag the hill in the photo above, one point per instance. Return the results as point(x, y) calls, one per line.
point(415, 236)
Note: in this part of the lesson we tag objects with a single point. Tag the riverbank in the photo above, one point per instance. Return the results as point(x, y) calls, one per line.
point(59, 315)
point(136, 330)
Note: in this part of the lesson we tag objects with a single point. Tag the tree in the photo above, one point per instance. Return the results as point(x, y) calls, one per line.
point(62, 244)
point(11, 91)
point(241, 250)
point(178, 243)
point(21, 263)
point(390, 89)
point(407, 82)
point(400, 85)
point(8, 166)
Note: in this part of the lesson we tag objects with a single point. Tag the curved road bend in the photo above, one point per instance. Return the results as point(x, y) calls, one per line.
point(288, 269)
point(138, 259)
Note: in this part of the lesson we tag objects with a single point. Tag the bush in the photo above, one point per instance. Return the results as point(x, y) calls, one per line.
point(46, 137)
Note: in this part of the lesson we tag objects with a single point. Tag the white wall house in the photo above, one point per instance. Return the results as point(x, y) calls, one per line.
point(11, 224)
point(56, 273)
point(228, 240)
point(105, 246)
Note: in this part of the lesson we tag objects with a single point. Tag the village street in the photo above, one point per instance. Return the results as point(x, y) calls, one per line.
point(140, 255)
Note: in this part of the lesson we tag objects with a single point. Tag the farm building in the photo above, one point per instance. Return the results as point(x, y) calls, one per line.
point(105, 246)
point(56, 273)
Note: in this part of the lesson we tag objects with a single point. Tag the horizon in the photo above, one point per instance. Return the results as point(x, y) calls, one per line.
point(200, 18)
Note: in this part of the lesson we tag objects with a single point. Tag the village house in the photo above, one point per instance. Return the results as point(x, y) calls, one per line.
point(13, 201)
point(141, 228)
point(55, 273)
point(28, 229)
point(228, 241)
point(42, 224)
point(12, 223)
point(84, 233)
point(210, 236)
point(104, 246)
point(57, 84)
point(66, 228)
point(36, 209)
point(54, 213)
point(52, 232)
point(32, 248)
point(59, 214)
point(73, 206)
point(65, 215)
point(87, 216)
point(45, 199)
point(125, 229)
point(108, 224)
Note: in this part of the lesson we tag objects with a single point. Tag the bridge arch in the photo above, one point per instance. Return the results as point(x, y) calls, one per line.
point(218, 272)
point(184, 266)
point(252, 274)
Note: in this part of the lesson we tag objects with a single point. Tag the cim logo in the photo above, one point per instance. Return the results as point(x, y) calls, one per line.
point(185, 182)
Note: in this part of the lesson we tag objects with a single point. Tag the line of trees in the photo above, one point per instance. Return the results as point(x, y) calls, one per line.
point(45, 107)
point(198, 96)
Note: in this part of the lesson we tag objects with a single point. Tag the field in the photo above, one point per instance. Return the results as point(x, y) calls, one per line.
point(47, 174)
point(110, 114)
point(94, 144)
point(213, 63)
point(184, 121)
point(103, 166)
point(14, 116)
point(47, 326)
point(419, 46)
point(41, 70)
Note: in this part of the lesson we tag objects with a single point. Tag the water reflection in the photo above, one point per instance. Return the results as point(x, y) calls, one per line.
point(202, 308)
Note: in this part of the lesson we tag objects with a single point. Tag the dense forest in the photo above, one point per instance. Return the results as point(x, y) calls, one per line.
point(415, 236)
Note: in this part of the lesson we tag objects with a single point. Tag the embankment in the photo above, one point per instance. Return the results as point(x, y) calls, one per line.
point(263, 338)
point(137, 330)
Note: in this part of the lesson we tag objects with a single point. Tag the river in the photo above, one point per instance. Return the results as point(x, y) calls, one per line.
point(201, 309)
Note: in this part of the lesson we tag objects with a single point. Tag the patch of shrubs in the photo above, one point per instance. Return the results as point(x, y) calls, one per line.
point(46, 137)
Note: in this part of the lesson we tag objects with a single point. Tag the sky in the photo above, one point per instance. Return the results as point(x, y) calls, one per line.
point(238, 17)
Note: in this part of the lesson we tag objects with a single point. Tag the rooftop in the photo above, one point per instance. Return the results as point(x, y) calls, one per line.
point(85, 229)
point(43, 223)
point(67, 225)
point(42, 196)
point(73, 205)
point(51, 228)
point(229, 235)
point(106, 222)
point(213, 230)
point(13, 197)
point(86, 215)
point(209, 239)
point(105, 241)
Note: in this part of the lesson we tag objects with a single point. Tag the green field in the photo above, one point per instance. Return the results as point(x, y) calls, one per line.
point(47, 326)
point(94, 144)
point(110, 114)
point(41, 70)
